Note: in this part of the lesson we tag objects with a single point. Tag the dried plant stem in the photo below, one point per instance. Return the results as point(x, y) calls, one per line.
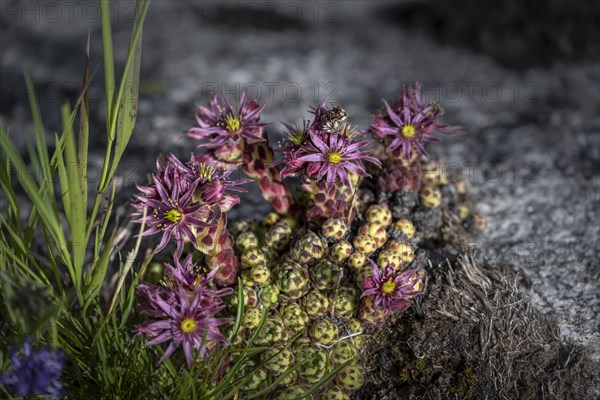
point(128, 264)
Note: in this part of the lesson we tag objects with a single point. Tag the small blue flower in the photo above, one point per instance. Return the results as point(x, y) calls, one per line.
point(35, 372)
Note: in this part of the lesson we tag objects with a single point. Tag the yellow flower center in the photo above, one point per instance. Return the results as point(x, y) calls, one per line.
point(388, 287)
point(173, 215)
point(206, 172)
point(296, 137)
point(334, 157)
point(232, 123)
point(408, 131)
point(188, 325)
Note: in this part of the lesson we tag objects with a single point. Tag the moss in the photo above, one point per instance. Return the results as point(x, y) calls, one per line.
point(405, 376)
point(466, 387)
point(401, 329)
point(421, 363)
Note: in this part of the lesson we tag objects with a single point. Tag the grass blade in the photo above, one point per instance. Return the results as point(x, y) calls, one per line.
point(95, 277)
point(109, 68)
point(47, 214)
point(124, 112)
point(77, 213)
point(40, 137)
point(84, 128)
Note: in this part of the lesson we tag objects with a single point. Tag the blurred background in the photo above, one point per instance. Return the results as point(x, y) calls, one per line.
point(522, 78)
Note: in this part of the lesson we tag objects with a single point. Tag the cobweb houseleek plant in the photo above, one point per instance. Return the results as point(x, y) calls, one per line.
point(270, 309)
point(69, 301)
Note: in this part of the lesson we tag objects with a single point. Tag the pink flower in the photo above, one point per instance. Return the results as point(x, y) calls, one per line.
point(332, 155)
point(390, 288)
point(171, 208)
point(185, 321)
point(221, 124)
point(325, 149)
point(409, 123)
point(180, 198)
point(213, 183)
point(186, 274)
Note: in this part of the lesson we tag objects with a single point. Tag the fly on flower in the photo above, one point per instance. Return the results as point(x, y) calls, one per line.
point(326, 149)
point(333, 120)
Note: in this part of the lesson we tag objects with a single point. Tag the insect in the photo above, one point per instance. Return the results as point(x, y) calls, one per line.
point(333, 120)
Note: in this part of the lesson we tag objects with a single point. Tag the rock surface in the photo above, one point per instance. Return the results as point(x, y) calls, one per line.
point(529, 97)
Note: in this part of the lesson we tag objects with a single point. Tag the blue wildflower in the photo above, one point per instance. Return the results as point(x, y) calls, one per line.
point(35, 372)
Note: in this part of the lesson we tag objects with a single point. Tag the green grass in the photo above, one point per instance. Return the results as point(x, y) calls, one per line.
point(54, 296)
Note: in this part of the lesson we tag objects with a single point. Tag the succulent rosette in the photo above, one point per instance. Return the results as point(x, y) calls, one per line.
point(307, 282)
point(409, 123)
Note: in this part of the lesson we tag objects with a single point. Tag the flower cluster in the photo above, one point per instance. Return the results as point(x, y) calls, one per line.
point(404, 127)
point(235, 137)
point(35, 372)
point(391, 289)
point(181, 199)
point(326, 149)
point(183, 311)
point(309, 275)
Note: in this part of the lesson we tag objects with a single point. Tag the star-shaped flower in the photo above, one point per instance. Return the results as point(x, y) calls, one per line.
point(170, 208)
point(391, 288)
point(325, 149)
point(409, 123)
point(332, 156)
point(180, 199)
point(221, 124)
point(185, 321)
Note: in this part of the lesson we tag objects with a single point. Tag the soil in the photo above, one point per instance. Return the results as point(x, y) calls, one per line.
point(475, 336)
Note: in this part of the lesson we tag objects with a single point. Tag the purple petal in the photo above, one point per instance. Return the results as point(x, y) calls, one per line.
point(187, 350)
point(420, 148)
point(393, 116)
point(163, 337)
point(429, 138)
point(406, 149)
point(320, 144)
point(312, 158)
point(370, 292)
point(172, 347)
